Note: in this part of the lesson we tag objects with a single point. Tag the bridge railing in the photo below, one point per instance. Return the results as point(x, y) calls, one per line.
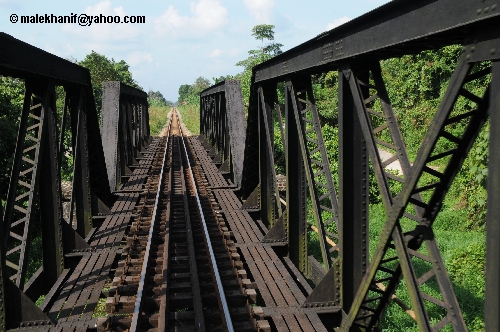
point(353, 284)
point(125, 130)
point(34, 202)
point(222, 127)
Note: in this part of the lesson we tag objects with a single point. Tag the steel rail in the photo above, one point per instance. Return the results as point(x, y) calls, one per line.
point(220, 289)
point(138, 301)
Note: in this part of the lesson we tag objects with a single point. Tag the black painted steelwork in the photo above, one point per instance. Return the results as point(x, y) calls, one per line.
point(34, 195)
point(125, 130)
point(359, 292)
point(222, 125)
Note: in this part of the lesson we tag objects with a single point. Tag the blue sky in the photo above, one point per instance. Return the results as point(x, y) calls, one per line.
point(181, 40)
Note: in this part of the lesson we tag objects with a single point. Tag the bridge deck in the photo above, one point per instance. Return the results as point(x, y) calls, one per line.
point(278, 282)
point(73, 299)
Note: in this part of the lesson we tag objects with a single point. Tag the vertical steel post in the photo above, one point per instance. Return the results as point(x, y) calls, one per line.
point(2, 276)
point(268, 199)
point(353, 194)
point(492, 296)
point(220, 128)
point(50, 194)
point(81, 190)
point(296, 190)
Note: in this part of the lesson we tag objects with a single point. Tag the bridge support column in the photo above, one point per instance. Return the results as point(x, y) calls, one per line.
point(353, 193)
point(81, 186)
point(265, 108)
point(296, 191)
point(492, 296)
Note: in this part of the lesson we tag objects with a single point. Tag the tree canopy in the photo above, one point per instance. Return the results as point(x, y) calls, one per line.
point(267, 51)
point(265, 31)
point(102, 70)
point(155, 98)
point(11, 103)
point(191, 93)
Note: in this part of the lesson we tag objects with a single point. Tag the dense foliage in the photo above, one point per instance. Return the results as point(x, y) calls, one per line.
point(11, 102)
point(190, 93)
point(265, 52)
point(102, 69)
point(155, 98)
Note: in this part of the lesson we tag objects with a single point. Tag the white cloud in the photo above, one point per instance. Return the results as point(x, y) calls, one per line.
point(207, 16)
point(337, 22)
point(136, 58)
point(215, 53)
point(104, 32)
point(260, 9)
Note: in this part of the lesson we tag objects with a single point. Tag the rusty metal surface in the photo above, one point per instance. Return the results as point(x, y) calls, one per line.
point(180, 273)
point(261, 252)
point(73, 301)
point(124, 131)
point(36, 174)
point(355, 292)
point(222, 127)
point(384, 33)
point(277, 287)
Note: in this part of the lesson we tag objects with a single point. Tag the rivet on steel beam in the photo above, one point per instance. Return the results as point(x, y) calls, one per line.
point(492, 51)
point(479, 11)
point(493, 7)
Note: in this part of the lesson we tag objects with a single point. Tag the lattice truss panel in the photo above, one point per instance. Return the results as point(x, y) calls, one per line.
point(46, 139)
point(18, 236)
point(413, 196)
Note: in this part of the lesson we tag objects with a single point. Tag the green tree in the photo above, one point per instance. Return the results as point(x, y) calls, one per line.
point(200, 84)
point(191, 93)
point(222, 78)
point(184, 92)
point(11, 103)
point(265, 31)
point(260, 32)
point(124, 74)
point(155, 98)
point(102, 69)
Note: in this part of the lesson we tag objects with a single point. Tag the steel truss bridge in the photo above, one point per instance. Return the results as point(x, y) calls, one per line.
point(194, 233)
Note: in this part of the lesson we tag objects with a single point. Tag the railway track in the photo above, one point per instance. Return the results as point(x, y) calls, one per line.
point(179, 270)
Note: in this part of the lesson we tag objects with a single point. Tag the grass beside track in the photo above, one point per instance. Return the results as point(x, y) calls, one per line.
point(157, 118)
point(191, 117)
